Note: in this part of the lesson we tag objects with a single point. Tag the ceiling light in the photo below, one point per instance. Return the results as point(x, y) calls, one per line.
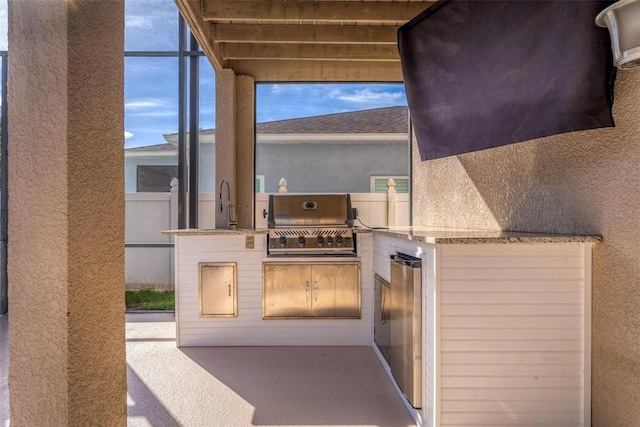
point(623, 21)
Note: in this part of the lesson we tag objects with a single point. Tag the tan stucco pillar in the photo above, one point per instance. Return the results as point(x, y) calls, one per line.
point(245, 143)
point(225, 140)
point(66, 213)
point(235, 138)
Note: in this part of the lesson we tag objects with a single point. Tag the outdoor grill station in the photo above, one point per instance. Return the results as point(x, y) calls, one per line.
point(497, 324)
point(437, 306)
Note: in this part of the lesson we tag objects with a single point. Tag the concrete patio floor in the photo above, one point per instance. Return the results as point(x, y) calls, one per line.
point(244, 386)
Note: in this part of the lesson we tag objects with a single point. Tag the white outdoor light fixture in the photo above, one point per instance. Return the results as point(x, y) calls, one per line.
point(623, 21)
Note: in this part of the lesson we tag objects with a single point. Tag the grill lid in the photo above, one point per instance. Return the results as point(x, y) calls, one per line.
point(310, 210)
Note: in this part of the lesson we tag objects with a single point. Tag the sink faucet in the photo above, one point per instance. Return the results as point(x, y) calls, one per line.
point(230, 223)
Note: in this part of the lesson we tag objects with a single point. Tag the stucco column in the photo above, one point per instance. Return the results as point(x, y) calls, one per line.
point(245, 143)
point(66, 213)
point(235, 139)
point(225, 141)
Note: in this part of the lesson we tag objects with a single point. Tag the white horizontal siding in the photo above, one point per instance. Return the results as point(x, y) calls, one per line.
point(512, 334)
point(249, 328)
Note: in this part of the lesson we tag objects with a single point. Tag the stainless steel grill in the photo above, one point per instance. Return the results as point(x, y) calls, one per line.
point(311, 224)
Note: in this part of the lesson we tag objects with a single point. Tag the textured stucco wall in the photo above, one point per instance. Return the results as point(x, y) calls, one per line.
point(66, 213)
point(582, 182)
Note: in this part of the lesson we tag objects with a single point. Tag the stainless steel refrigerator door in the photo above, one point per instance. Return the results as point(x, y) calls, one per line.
point(406, 330)
point(382, 323)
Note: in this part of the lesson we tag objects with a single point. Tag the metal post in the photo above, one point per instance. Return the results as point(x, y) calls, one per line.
point(194, 95)
point(410, 137)
point(182, 125)
point(4, 195)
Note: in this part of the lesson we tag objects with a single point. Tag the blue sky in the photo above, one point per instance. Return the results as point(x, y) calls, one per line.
point(151, 91)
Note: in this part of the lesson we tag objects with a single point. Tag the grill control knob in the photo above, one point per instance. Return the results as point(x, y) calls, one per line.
point(329, 240)
point(339, 240)
point(282, 241)
point(301, 241)
point(319, 240)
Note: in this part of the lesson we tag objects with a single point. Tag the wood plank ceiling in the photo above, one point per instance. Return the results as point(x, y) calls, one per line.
point(302, 40)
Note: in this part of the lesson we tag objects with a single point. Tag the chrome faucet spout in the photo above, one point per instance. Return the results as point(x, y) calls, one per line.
point(230, 223)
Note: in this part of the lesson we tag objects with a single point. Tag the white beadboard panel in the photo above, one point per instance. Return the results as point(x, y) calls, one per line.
point(511, 273)
point(532, 406)
point(545, 261)
point(512, 334)
point(515, 394)
point(511, 418)
point(514, 358)
point(510, 250)
point(520, 286)
point(248, 328)
point(509, 345)
point(515, 322)
point(510, 370)
point(504, 382)
point(560, 334)
point(511, 309)
point(512, 298)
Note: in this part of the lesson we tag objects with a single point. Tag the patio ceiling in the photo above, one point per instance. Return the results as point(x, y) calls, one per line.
point(302, 40)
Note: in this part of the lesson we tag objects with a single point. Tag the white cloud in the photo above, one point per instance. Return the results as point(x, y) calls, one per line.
point(149, 103)
point(367, 96)
point(127, 134)
point(290, 88)
point(137, 21)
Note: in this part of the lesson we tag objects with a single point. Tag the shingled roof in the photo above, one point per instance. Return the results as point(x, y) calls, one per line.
point(377, 120)
point(387, 120)
point(154, 148)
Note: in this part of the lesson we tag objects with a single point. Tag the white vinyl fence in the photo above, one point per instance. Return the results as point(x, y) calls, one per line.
point(149, 253)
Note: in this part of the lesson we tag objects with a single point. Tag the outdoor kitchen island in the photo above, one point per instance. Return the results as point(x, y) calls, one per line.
point(505, 316)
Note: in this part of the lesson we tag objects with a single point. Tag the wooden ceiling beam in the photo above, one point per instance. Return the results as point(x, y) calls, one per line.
point(278, 11)
point(318, 71)
point(313, 52)
point(280, 33)
point(201, 30)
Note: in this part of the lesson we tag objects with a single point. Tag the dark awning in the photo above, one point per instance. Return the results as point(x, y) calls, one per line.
point(481, 74)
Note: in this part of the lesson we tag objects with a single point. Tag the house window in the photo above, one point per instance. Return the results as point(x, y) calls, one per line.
point(155, 179)
point(259, 183)
point(379, 184)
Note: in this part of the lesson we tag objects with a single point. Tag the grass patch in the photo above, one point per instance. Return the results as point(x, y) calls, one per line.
point(147, 299)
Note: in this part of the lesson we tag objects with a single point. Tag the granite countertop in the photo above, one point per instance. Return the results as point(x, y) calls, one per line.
point(435, 235)
point(432, 235)
point(216, 232)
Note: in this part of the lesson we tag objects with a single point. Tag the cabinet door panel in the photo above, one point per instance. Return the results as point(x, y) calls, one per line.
point(287, 290)
point(338, 290)
point(218, 290)
point(324, 279)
